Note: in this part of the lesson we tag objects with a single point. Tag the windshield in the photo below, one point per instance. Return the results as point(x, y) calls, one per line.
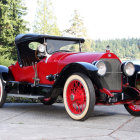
point(62, 45)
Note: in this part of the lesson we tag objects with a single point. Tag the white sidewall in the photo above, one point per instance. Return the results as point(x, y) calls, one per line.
point(1, 88)
point(72, 115)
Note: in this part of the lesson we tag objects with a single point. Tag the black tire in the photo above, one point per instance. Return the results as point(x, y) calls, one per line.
point(49, 102)
point(3, 94)
point(132, 110)
point(79, 96)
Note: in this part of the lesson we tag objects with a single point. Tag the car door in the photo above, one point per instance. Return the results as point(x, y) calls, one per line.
point(22, 74)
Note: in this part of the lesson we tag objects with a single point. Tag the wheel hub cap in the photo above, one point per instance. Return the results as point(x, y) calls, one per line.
point(72, 97)
point(134, 107)
point(76, 97)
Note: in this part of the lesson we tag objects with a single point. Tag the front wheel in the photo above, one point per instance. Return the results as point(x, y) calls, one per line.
point(2, 92)
point(79, 96)
point(133, 109)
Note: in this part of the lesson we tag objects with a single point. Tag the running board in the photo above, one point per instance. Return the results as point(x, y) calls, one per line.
point(28, 89)
point(25, 96)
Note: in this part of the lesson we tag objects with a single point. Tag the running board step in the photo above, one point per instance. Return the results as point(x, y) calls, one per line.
point(28, 89)
point(25, 96)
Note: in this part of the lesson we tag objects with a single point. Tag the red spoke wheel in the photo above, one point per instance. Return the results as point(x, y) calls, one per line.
point(2, 92)
point(79, 96)
point(133, 109)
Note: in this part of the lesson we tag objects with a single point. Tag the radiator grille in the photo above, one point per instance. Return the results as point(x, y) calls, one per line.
point(113, 78)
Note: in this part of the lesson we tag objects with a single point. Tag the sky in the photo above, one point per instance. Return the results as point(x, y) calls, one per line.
point(104, 19)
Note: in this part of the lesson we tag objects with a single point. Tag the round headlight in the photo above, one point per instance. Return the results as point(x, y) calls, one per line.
point(129, 68)
point(41, 48)
point(101, 68)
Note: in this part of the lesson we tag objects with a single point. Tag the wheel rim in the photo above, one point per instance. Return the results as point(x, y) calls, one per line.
point(76, 97)
point(134, 107)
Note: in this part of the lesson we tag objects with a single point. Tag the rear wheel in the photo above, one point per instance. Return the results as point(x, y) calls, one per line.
point(79, 96)
point(133, 109)
point(2, 92)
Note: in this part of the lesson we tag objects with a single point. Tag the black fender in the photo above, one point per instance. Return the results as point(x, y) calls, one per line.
point(131, 92)
point(6, 73)
point(136, 77)
point(137, 83)
point(89, 69)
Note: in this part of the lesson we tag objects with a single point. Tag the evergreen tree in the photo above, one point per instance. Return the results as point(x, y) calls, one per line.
point(11, 24)
point(123, 48)
point(77, 29)
point(45, 21)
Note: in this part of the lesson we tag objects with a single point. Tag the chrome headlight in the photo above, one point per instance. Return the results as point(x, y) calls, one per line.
point(41, 48)
point(129, 68)
point(101, 68)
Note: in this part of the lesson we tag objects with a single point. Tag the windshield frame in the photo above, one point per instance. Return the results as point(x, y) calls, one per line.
point(69, 42)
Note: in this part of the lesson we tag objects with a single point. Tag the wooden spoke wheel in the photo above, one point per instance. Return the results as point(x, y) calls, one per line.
point(79, 96)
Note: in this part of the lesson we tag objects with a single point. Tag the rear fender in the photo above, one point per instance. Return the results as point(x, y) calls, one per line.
point(6, 73)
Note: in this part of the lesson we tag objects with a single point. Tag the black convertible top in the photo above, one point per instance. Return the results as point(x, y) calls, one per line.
point(39, 37)
point(26, 56)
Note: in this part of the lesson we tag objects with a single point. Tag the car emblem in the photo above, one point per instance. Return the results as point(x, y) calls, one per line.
point(109, 55)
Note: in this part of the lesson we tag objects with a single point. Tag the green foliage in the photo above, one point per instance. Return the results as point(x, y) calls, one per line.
point(45, 22)
point(21, 100)
point(33, 45)
point(11, 24)
point(5, 61)
point(77, 29)
point(123, 48)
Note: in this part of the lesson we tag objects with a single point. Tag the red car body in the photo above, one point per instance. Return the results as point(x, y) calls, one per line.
point(82, 79)
point(54, 65)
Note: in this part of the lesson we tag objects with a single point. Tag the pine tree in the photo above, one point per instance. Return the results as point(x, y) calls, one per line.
point(77, 29)
point(45, 21)
point(11, 24)
point(123, 48)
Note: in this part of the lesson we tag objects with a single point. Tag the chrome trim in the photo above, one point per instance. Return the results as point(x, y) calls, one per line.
point(125, 69)
point(100, 61)
point(114, 72)
point(113, 78)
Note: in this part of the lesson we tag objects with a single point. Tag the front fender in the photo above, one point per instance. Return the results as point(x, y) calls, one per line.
point(131, 92)
point(138, 81)
point(82, 67)
point(137, 84)
point(6, 73)
point(134, 81)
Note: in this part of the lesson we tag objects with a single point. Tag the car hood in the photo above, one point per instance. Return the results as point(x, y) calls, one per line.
point(65, 58)
point(80, 57)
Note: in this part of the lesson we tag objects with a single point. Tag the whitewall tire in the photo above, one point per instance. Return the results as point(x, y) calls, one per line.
point(79, 96)
point(2, 92)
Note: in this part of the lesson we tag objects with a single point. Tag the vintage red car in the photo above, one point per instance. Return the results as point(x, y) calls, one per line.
point(47, 67)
